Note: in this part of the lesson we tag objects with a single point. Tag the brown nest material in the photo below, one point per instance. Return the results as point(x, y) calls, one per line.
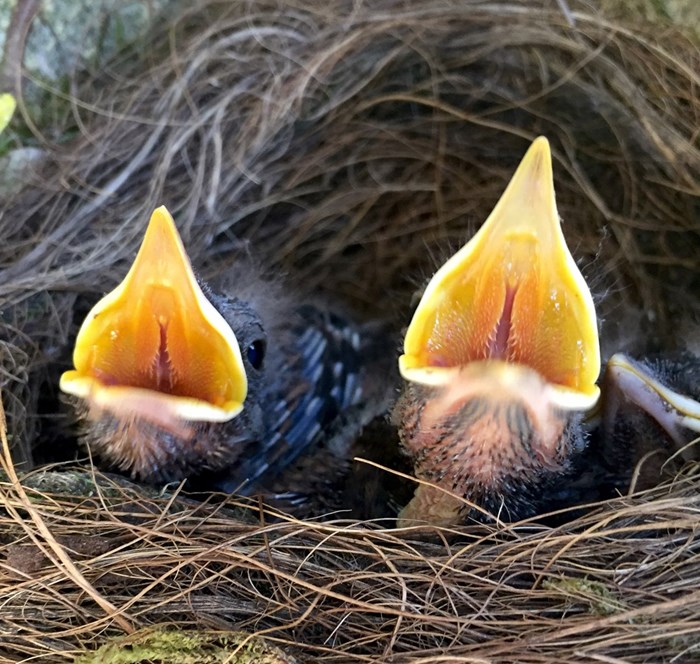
point(84, 560)
point(350, 145)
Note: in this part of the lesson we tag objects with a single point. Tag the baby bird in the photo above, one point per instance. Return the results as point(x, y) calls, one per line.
point(500, 360)
point(650, 415)
point(174, 380)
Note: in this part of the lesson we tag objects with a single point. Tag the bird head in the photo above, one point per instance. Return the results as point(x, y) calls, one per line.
point(503, 344)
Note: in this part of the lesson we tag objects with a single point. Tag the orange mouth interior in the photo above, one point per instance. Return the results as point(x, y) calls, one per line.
point(157, 331)
point(513, 294)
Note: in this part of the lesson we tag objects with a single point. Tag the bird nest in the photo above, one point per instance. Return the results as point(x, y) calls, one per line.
point(348, 146)
point(90, 562)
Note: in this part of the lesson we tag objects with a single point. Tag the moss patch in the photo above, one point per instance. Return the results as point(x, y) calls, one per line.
point(598, 596)
point(166, 645)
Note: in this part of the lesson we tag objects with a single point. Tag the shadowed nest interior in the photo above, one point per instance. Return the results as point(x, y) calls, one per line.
point(351, 146)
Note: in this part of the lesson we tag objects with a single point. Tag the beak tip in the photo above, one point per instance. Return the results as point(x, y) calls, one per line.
point(541, 144)
point(538, 163)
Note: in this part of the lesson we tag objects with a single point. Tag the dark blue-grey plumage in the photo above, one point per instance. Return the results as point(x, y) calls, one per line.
point(327, 379)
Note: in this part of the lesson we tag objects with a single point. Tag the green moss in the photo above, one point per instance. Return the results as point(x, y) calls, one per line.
point(601, 601)
point(77, 485)
point(163, 645)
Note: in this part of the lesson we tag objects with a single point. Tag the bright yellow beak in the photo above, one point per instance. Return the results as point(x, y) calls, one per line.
point(156, 340)
point(512, 294)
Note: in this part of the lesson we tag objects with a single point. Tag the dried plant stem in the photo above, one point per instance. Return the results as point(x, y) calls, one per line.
point(60, 557)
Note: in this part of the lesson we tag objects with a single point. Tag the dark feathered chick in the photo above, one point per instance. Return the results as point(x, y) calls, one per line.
point(650, 416)
point(500, 360)
point(177, 381)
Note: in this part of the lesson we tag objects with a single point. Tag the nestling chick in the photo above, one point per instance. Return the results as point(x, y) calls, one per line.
point(501, 360)
point(177, 381)
point(650, 415)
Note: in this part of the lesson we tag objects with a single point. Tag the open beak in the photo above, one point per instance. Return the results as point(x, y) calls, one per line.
point(155, 347)
point(512, 296)
point(627, 380)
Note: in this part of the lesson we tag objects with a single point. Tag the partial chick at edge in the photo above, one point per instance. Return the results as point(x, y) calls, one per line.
point(649, 418)
point(500, 361)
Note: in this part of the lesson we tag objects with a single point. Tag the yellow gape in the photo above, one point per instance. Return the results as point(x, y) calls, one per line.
point(156, 340)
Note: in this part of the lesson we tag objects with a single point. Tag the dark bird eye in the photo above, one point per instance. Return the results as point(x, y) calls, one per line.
point(256, 353)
